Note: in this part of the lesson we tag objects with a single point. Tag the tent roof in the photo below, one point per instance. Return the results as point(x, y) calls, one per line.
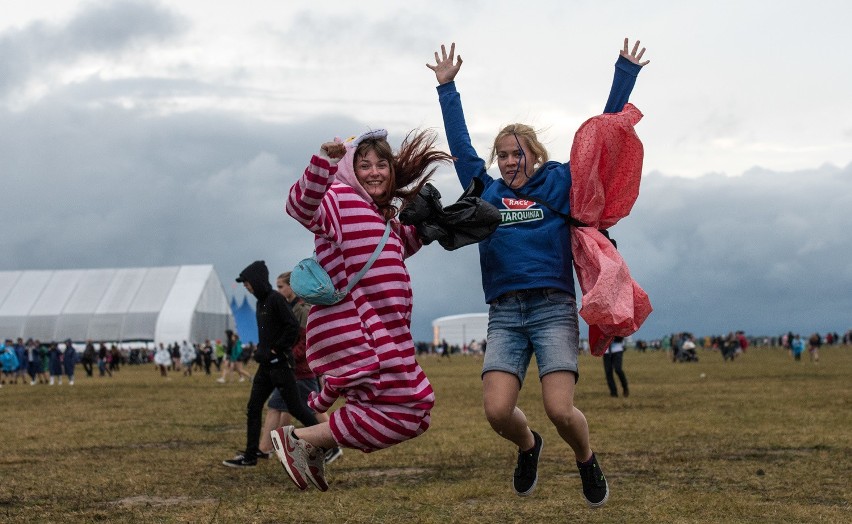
point(160, 304)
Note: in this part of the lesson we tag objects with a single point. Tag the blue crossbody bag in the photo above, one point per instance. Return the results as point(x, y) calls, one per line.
point(311, 282)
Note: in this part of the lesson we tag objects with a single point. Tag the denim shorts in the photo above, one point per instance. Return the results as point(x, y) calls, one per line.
point(540, 322)
point(305, 385)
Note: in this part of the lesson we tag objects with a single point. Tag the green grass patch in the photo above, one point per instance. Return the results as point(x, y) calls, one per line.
point(761, 439)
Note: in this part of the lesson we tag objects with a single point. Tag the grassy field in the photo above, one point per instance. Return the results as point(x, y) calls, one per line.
point(762, 439)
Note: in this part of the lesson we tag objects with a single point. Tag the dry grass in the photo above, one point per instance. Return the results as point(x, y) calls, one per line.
point(763, 439)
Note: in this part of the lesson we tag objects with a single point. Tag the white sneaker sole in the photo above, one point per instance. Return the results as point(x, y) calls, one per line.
point(596, 505)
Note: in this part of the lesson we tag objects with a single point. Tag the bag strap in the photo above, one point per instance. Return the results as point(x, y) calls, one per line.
point(372, 259)
point(568, 218)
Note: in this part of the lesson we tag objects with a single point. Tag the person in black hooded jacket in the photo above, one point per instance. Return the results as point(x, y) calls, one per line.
point(277, 332)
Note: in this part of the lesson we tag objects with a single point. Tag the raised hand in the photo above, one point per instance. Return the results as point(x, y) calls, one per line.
point(334, 149)
point(446, 66)
point(632, 55)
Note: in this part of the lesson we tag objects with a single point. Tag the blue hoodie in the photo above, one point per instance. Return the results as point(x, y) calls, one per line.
point(532, 247)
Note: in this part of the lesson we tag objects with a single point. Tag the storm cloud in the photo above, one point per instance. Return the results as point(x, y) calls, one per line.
point(100, 29)
point(177, 165)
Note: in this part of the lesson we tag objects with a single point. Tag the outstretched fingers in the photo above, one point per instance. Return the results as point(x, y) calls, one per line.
point(447, 64)
point(452, 51)
point(635, 55)
point(445, 59)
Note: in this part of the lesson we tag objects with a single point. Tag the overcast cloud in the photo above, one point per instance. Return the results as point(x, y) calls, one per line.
point(137, 134)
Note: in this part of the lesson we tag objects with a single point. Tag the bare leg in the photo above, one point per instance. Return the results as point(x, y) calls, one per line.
point(273, 421)
point(558, 393)
point(284, 419)
point(240, 371)
point(318, 435)
point(500, 397)
point(226, 370)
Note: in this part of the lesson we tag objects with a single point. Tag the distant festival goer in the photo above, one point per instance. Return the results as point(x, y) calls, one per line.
point(8, 362)
point(162, 359)
point(797, 347)
point(814, 343)
point(55, 358)
point(278, 331)
point(89, 358)
point(187, 358)
point(613, 362)
point(277, 413)
point(69, 361)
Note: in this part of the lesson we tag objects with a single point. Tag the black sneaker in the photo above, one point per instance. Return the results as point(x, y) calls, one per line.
point(526, 473)
point(333, 454)
point(263, 454)
point(240, 461)
point(595, 488)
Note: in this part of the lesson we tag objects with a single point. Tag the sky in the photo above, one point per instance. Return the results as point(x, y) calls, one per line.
point(146, 133)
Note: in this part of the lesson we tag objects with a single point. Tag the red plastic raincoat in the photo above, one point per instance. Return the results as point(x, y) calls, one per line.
point(606, 166)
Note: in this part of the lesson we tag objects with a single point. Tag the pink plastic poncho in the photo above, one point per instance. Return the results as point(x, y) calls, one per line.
point(606, 166)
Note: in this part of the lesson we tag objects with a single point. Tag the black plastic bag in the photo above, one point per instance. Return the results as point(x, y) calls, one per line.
point(467, 221)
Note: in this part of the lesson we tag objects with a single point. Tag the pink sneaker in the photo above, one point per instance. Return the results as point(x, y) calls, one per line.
point(304, 462)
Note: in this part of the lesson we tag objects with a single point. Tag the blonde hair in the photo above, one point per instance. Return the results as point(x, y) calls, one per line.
point(529, 137)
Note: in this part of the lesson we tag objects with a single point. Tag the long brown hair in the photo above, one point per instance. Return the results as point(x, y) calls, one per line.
point(411, 166)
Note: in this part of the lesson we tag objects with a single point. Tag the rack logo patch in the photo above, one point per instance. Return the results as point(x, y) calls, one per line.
point(519, 210)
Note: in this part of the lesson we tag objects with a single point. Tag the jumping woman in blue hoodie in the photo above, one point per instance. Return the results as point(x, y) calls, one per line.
point(528, 279)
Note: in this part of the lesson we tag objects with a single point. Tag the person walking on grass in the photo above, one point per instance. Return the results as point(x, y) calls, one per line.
point(23, 363)
point(9, 362)
point(219, 355)
point(187, 358)
point(361, 346)
point(69, 361)
point(797, 347)
point(814, 343)
point(55, 367)
point(277, 414)
point(241, 352)
point(206, 356)
point(527, 275)
point(277, 332)
point(103, 360)
point(34, 361)
point(227, 364)
point(613, 362)
point(162, 359)
point(233, 357)
point(89, 358)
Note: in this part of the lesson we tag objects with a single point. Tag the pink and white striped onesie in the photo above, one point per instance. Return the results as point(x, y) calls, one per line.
point(361, 346)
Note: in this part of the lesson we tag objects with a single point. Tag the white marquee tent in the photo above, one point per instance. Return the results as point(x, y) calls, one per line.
point(460, 329)
point(158, 304)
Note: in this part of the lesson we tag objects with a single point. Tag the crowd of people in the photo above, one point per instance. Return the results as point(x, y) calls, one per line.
point(684, 346)
point(36, 362)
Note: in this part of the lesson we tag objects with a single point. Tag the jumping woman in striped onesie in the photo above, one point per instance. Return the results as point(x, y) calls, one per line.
point(362, 346)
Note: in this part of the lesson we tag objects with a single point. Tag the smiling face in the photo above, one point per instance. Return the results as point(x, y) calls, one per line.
point(374, 173)
point(516, 164)
point(518, 153)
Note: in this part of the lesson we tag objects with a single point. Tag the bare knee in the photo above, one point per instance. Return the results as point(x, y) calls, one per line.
point(499, 398)
point(498, 414)
point(562, 414)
